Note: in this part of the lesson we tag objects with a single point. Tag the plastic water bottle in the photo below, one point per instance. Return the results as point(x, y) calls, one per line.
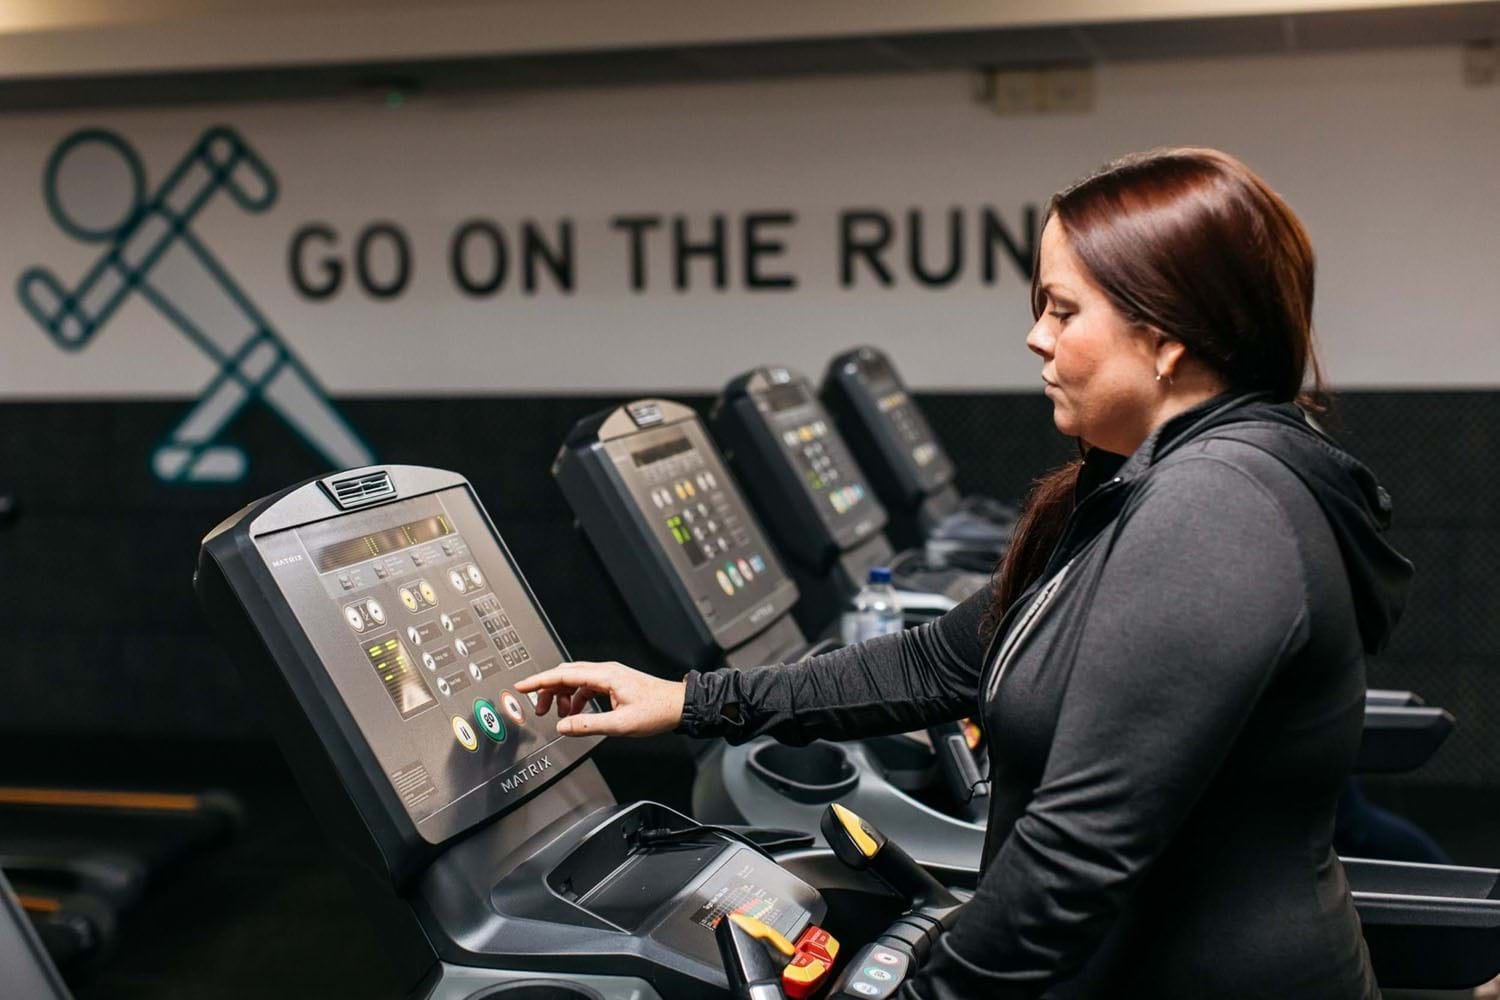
point(876, 610)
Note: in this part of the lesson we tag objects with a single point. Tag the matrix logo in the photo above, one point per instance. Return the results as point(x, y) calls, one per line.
point(525, 774)
point(95, 188)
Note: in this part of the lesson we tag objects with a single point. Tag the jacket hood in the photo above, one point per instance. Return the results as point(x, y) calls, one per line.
point(1357, 507)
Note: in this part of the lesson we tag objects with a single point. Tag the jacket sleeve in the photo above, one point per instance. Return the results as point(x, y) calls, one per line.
point(892, 684)
point(1201, 598)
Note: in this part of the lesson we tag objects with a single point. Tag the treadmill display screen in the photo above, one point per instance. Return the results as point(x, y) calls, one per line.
point(424, 628)
point(678, 483)
point(408, 691)
point(787, 396)
point(912, 432)
point(354, 550)
point(820, 457)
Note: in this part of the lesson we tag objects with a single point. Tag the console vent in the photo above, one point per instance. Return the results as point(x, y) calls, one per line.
point(645, 413)
point(356, 491)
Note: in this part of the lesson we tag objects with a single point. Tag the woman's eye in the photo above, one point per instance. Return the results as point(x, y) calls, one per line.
point(1059, 315)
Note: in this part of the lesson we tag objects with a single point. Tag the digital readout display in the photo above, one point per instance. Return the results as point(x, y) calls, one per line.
point(407, 689)
point(684, 536)
point(355, 550)
point(658, 452)
point(786, 397)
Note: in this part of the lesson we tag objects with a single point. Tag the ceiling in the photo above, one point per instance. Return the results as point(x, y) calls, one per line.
point(1016, 45)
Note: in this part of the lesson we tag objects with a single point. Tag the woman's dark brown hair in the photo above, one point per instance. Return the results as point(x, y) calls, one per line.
point(1191, 243)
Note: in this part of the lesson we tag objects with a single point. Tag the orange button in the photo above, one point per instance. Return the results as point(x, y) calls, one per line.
point(819, 943)
point(803, 975)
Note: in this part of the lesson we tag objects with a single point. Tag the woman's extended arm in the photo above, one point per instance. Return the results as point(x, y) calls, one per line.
point(888, 685)
point(891, 684)
point(1202, 597)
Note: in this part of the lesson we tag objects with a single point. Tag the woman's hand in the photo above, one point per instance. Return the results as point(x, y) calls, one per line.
point(640, 705)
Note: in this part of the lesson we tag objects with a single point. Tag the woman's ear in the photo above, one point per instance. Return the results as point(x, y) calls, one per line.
point(1169, 355)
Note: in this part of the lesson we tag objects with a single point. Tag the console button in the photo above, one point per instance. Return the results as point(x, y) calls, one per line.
point(511, 706)
point(803, 975)
point(465, 733)
point(818, 941)
point(456, 578)
point(354, 618)
point(428, 593)
point(489, 720)
point(475, 577)
point(375, 611)
point(446, 622)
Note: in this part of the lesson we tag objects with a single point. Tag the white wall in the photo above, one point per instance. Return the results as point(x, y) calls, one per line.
point(1390, 160)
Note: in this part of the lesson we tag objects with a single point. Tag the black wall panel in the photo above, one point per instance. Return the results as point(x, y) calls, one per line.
point(101, 634)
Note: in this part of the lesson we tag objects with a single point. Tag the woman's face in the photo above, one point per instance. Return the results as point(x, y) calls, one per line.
point(1099, 369)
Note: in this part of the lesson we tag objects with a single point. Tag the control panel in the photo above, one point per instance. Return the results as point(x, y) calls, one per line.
point(689, 557)
point(796, 465)
point(418, 627)
point(884, 424)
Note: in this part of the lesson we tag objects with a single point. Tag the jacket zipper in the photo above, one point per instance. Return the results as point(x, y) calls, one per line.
point(1014, 635)
point(1022, 630)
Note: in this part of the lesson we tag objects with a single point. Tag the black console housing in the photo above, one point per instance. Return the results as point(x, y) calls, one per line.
point(653, 496)
point(805, 483)
point(892, 441)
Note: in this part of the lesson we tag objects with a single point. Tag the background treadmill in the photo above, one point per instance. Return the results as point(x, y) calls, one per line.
point(816, 499)
point(656, 501)
point(909, 467)
point(797, 469)
point(80, 856)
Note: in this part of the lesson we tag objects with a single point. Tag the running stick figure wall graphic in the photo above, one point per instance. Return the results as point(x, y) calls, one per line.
point(95, 187)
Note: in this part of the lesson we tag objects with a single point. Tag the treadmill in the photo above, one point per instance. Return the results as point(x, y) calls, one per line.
point(494, 860)
point(24, 960)
point(80, 857)
point(816, 500)
point(911, 472)
point(380, 621)
point(707, 589)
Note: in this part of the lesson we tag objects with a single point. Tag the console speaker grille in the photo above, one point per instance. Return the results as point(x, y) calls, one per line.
point(356, 491)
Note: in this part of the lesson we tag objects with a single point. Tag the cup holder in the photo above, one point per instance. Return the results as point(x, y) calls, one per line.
point(537, 989)
point(818, 772)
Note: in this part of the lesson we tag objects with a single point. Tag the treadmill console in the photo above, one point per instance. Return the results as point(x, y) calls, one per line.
point(880, 417)
point(796, 465)
point(408, 626)
point(657, 503)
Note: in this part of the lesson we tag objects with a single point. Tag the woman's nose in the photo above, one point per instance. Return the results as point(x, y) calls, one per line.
point(1040, 340)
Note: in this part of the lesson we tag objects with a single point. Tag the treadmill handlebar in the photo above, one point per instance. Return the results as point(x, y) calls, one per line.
point(864, 848)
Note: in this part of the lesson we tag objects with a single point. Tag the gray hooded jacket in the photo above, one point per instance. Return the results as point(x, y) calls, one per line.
point(1171, 709)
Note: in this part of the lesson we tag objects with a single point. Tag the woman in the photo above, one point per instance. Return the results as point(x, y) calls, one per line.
point(1170, 670)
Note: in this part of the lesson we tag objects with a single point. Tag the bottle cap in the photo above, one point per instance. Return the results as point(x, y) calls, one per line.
point(880, 574)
